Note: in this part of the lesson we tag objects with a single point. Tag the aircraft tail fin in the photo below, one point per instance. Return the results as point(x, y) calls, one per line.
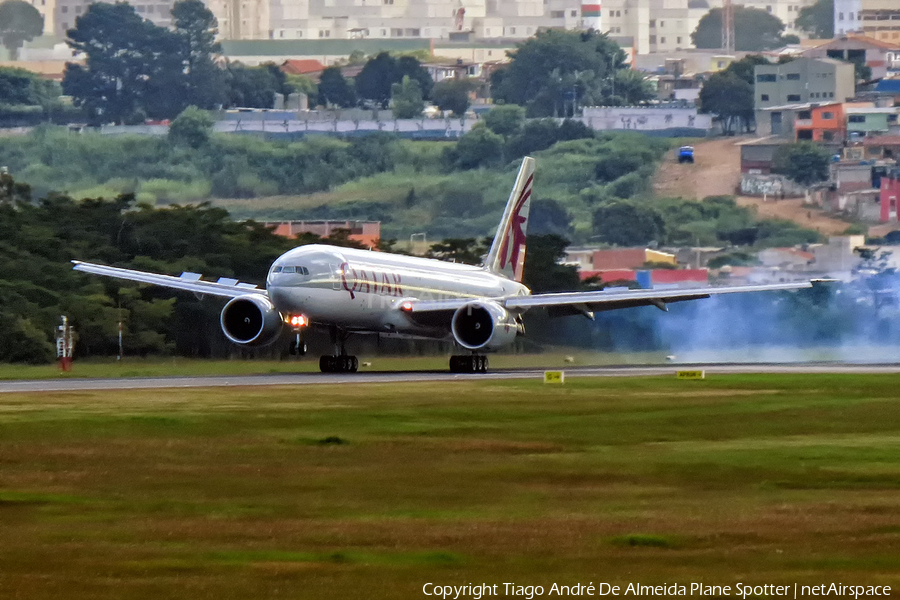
point(507, 255)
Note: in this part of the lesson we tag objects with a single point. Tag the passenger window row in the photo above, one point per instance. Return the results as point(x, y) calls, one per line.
point(298, 270)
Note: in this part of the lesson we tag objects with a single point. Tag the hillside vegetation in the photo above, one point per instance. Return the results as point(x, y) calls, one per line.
point(444, 189)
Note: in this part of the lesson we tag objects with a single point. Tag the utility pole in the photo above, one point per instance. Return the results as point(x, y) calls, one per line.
point(728, 27)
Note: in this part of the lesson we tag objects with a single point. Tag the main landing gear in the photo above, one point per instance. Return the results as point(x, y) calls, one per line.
point(468, 363)
point(338, 364)
point(340, 361)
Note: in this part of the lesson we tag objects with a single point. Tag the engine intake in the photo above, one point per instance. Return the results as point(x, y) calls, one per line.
point(251, 320)
point(483, 325)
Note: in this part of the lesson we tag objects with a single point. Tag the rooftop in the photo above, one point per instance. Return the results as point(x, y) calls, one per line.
point(805, 106)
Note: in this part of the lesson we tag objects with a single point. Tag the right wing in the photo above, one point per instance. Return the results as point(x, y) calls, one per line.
point(589, 302)
point(191, 282)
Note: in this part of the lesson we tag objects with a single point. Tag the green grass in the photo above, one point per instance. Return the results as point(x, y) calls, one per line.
point(370, 491)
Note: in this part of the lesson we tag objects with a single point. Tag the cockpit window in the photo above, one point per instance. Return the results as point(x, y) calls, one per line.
point(287, 270)
point(276, 270)
point(302, 270)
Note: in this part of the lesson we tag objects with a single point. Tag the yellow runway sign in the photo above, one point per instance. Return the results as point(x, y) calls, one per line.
point(554, 377)
point(691, 375)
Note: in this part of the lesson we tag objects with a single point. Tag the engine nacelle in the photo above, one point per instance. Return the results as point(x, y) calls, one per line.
point(483, 325)
point(251, 320)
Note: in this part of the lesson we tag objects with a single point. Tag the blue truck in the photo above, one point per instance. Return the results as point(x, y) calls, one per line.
point(686, 154)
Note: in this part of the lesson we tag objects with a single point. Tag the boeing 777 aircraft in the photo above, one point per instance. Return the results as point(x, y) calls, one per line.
point(350, 291)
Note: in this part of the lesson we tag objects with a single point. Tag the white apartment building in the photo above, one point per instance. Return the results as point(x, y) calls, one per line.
point(666, 25)
point(47, 8)
point(429, 19)
point(786, 10)
point(66, 11)
point(879, 19)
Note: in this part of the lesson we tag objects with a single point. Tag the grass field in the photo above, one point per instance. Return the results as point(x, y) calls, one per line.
point(370, 491)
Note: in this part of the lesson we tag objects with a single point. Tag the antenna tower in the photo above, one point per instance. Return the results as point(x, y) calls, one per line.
point(728, 27)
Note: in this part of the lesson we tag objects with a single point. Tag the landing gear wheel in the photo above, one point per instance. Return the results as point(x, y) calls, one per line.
point(338, 364)
point(298, 347)
point(468, 364)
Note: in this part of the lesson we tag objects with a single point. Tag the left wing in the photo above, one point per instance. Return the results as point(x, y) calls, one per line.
point(190, 282)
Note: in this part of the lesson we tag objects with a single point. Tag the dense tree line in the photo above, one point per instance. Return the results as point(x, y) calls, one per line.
point(556, 72)
point(136, 70)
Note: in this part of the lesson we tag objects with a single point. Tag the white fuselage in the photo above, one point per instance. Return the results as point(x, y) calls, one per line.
point(363, 290)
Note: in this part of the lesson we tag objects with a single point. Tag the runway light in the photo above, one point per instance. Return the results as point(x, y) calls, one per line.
point(298, 321)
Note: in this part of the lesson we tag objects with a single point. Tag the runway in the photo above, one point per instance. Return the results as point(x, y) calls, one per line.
point(73, 384)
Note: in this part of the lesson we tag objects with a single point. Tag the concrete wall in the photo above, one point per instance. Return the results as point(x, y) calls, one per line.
point(769, 185)
point(645, 118)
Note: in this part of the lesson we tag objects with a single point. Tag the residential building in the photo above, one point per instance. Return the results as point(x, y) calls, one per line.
point(365, 232)
point(786, 259)
point(423, 19)
point(66, 11)
point(803, 80)
point(786, 10)
point(847, 16)
point(47, 8)
point(821, 123)
point(877, 54)
point(879, 19)
point(872, 121)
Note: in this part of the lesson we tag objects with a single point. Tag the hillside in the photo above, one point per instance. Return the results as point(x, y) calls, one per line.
point(717, 172)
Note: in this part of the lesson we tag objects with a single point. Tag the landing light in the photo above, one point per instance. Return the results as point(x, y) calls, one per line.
point(298, 320)
point(406, 306)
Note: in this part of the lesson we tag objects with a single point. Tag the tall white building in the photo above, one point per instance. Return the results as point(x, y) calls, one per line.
point(429, 19)
point(879, 19)
point(667, 25)
point(66, 11)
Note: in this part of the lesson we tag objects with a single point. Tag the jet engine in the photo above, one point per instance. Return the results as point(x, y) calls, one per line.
point(483, 325)
point(251, 320)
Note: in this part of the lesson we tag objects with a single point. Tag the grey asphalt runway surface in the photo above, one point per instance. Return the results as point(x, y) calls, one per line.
point(63, 385)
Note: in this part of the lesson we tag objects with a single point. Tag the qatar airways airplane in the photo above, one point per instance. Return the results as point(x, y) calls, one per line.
point(348, 291)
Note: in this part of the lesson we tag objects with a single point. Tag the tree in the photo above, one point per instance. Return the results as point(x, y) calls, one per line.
point(744, 68)
point(197, 28)
point(627, 223)
point(754, 30)
point(468, 251)
point(479, 147)
point(549, 216)
point(18, 86)
point(632, 87)
point(20, 22)
point(375, 80)
point(409, 66)
point(453, 95)
point(131, 70)
point(728, 97)
point(542, 272)
point(191, 128)
point(505, 120)
point(817, 19)
point(536, 135)
point(803, 162)
point(253, 87)
point(555, 71)
point(383, 70)
point(407, 99)
point(335, 90)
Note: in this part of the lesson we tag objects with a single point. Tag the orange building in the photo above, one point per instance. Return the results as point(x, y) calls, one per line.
point(821, 123)
point(365, 232)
